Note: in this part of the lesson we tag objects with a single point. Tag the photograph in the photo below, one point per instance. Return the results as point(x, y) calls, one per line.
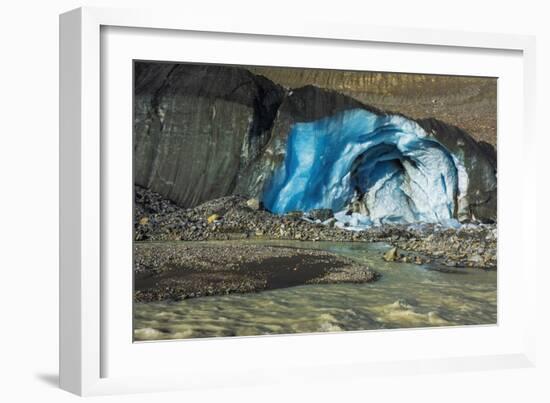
point(237, 202)
point(273, 200)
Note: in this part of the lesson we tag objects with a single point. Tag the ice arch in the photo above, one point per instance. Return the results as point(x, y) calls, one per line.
point(386, 161)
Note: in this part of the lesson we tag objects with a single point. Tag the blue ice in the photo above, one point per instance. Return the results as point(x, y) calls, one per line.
point(400, 174)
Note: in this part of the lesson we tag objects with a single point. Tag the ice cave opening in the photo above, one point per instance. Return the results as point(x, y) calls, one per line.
point(386, 164)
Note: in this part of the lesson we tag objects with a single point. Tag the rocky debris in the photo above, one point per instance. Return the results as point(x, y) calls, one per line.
point(236, 220)
point(347, 274)
point(294, 215)
point(393, 255)
point(213, 218)
point(468, 246)
point(331, 222)
point(175, 271)
point(254, 204)
point(323, 214)
point(413, 259)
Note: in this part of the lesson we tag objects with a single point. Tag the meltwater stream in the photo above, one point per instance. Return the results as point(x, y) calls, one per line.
point(406, 296)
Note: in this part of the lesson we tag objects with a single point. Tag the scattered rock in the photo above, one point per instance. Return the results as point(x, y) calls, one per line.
point(475, 259)
point(294, 215)
point(468, 246)
point(331, 222)
point(321, 214)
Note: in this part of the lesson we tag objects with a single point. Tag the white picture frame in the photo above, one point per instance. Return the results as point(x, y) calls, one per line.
point(88, 330)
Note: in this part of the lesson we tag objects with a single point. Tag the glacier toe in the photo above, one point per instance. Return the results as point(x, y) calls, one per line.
point(204, 132)
point(386, 163)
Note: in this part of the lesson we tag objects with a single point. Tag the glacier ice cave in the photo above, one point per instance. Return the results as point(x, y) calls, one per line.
point(386, 164)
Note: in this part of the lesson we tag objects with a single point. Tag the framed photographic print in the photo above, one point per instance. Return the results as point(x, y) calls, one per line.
point(257, 194)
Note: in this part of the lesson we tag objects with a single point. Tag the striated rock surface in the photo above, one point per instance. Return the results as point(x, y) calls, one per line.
point(198, 126)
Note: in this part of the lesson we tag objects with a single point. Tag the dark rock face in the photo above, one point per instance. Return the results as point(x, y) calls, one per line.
point(479, 160)
point(205, 131)
point(311, 103)
point(197, 127)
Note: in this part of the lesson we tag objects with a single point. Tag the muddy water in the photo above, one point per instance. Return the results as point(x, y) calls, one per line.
point(406, 296)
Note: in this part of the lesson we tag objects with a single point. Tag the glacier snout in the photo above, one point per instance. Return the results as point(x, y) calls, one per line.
point(385, 163)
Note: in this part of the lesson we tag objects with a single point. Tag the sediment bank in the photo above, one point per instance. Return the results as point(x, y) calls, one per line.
point(180, 270)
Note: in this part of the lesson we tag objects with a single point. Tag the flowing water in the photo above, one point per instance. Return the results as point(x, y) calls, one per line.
point(406, 296)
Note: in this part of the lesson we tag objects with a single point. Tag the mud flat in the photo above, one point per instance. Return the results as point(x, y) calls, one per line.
point(181, 270)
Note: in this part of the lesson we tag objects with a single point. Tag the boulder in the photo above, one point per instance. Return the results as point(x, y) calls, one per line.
point(212, 218)
point(254, 204)
point(391, 255)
